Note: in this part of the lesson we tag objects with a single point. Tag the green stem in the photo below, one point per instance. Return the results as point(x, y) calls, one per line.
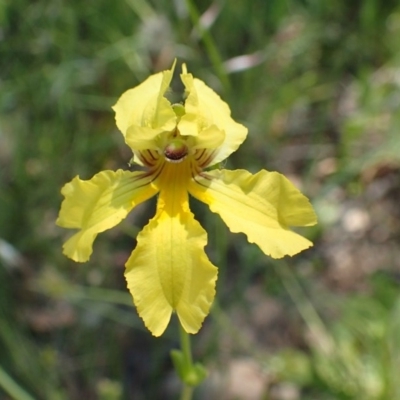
point(187, 390)
point(186, 347)
point(190, 374)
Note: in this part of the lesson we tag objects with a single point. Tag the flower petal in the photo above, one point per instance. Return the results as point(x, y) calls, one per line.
point(262, 206)
point(204, 108)
point(98, 204)
point(144, 111)
point(169, 270)
point(210, 138)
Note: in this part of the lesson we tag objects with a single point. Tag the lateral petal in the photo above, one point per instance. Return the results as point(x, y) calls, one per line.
point(98, 204)
point(262, 206)
point(205, 108)
point(169, 271)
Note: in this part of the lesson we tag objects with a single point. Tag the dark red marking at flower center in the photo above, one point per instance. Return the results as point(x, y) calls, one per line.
point(176, 150)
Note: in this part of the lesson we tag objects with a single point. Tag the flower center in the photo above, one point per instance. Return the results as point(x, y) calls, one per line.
point(176, 150)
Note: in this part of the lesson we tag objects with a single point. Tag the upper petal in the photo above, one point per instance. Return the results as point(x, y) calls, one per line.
point(262, 206)
point(98, 204)
point(210, 138)
point(205, 108)
point(144, 109)
point(169, 270)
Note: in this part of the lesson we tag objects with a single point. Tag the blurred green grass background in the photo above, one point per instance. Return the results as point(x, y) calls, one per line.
point(318, 85)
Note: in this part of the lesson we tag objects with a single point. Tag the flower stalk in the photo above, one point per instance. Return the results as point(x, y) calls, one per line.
point(190, 374)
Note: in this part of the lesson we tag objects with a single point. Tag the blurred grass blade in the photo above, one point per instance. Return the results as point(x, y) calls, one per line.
point(319, 332)
point(394, 350)
point(210, 45)
point(12, 388)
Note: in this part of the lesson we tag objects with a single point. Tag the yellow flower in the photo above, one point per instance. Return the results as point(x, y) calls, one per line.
point(169, 271)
